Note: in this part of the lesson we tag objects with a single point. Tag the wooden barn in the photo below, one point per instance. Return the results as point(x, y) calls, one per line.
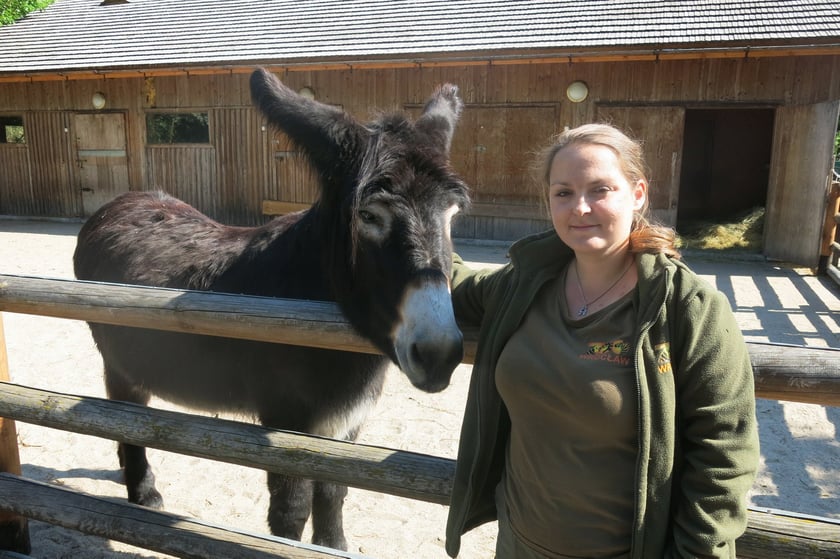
point(736, 101)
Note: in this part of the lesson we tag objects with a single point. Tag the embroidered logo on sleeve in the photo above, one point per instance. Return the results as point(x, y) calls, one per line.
point(663, 357)
point(617, 352)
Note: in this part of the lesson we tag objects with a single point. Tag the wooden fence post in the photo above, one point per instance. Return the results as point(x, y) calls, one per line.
point(14, 529)
point(829, 234)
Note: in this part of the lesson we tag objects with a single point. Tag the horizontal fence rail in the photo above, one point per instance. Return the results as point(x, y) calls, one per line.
point(782, 372)
point(401, 473)
point(143, 527)
point(769, 535)
point(264, 319)
point(787, 535)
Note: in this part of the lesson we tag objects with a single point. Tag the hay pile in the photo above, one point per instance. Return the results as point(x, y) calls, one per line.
point(743, 233)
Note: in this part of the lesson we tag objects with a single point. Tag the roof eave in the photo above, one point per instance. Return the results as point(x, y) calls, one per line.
point(686, 51)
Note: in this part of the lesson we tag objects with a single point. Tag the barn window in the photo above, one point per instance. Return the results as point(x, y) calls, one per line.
point(11, 130)
point(177, 128)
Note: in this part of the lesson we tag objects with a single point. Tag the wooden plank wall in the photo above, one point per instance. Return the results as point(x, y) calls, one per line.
point(36, 180)
point(511, 109)
point(188, 173)
point(494, 149)
point(16, 196)
point(292, 179)
point(242, 170)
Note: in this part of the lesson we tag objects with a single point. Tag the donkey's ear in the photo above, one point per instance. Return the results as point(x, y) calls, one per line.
point(321, 131)
point(440, 115)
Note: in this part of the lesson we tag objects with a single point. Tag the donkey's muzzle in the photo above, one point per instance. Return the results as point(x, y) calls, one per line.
point(427, 342)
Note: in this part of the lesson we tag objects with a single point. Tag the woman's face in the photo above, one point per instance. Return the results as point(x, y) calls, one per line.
point(592, 201)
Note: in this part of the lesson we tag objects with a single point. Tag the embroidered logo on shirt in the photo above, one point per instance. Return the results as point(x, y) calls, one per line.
point(617, 352)
point(663, 357)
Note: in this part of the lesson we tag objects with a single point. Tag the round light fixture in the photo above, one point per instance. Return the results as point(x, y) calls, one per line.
point(577, 91)
point(98, 100)
point(306, 92)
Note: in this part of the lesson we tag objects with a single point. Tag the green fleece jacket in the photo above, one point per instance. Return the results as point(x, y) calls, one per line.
point(697, 435)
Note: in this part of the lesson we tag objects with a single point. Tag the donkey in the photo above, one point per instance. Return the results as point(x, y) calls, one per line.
point(377, 242)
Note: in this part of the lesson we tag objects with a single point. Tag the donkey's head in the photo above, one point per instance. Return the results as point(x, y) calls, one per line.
point(388, 196)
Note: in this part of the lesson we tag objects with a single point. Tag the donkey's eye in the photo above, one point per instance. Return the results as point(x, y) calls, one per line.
point(374, 222)
point(368, 217)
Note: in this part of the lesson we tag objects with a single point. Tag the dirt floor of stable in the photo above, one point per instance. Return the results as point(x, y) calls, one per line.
point(800, 469)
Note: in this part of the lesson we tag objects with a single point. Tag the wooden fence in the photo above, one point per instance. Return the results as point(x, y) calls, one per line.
point(830, 249)
point(781, 372)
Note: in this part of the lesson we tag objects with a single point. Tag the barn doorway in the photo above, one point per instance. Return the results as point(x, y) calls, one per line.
point(101, 170)
point(725, 164)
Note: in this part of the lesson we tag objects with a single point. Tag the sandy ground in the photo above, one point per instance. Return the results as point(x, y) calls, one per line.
point(800, 447)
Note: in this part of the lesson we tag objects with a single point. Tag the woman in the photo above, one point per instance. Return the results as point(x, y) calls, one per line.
point(611, 410)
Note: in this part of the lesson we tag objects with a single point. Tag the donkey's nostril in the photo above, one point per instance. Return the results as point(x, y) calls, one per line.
point(417, 357)
point(437, 359)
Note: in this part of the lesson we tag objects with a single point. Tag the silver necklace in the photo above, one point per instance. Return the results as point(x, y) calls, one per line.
point(584, 310)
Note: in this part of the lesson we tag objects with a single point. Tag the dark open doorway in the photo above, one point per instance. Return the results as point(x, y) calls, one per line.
point(725, 164)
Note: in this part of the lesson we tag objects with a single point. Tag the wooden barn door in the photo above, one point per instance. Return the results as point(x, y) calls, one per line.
point(294, 181)
point(101, 161)
point(660, 130)
point(493, 148)
point(800, 177)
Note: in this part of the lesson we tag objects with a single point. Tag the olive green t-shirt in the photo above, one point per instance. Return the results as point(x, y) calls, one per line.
point(570, 389)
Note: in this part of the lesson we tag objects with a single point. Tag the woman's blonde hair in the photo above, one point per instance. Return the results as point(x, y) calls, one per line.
point(645, 235)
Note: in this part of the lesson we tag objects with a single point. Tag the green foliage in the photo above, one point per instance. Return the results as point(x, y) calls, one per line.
point(13, 10)
point(15, 135)
point(837, 143)
point(11, 130)
point(837, 150)
point(177, 128)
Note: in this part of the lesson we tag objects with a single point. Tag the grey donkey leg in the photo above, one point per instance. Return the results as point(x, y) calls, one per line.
point(327, 516)
point(139, 479)
point(290, 502)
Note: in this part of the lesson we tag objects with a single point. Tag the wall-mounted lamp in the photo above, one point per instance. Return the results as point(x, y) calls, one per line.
point(98, 100)
point(577, 91)
point(307, 92)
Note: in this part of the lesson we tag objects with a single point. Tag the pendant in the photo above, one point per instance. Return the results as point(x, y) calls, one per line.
point(583, 310)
